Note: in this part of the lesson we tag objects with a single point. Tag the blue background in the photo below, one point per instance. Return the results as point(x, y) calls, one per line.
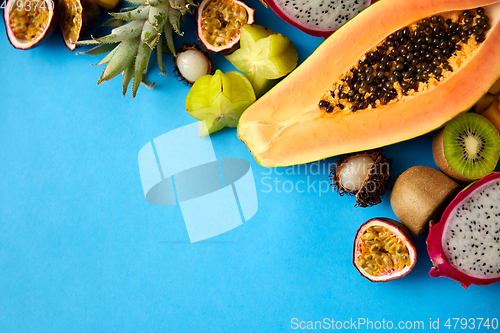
point(81, 250)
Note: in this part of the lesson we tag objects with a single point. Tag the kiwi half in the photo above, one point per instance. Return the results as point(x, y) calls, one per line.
point(467, 148)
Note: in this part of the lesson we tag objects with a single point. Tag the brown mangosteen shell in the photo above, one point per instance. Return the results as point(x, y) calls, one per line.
point(409, 241)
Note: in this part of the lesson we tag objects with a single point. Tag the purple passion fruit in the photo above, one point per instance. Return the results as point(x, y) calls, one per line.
point(384, 250)
point(27, 22)
point(77, 18)
point(219, 23)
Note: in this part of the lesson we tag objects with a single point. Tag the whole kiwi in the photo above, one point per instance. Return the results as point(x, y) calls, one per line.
point(419, 195)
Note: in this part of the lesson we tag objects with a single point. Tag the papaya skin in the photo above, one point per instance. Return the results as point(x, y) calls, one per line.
point(286, 126)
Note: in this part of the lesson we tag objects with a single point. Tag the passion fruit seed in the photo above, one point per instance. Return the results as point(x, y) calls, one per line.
point(221, 22)
point(382, 252)
point(192, 63)
point(28, 18)
point(70, 19)
point(408, 61)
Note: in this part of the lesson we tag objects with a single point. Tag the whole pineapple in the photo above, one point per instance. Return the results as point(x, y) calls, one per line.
point(130, 45)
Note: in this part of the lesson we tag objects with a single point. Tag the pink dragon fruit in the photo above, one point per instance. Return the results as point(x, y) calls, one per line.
point(465, 244)
point(317, 17)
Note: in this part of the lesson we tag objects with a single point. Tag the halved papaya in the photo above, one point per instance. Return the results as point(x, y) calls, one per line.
point(319, 111)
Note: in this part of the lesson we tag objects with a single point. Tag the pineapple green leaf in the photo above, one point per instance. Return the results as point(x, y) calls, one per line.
point(159, 56)
point(100, 49)
point(178, 4)
point(137, 31)
point(108, 57)
point(149, 35)
point(113, 22)
point(141, 64)
point(138, 2)
point(139, 13)
point(158, 3)
point(128, 73)
point(123, 33)
point(174, 17)
point(87, 42)
point(122, 58)
point(144, 82)
point(168, 37)
point(158, 16)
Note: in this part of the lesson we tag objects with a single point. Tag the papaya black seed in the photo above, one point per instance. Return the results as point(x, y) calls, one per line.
point(324, 104)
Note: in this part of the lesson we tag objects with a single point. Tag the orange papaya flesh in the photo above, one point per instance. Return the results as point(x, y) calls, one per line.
point(287, 126)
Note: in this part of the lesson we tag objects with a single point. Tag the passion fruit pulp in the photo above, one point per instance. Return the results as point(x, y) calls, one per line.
point(219, 23)
point(27, 22)
point(384, 250)
point(77, 18)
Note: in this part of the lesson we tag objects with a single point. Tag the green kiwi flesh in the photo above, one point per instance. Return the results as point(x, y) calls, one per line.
point(471, 146)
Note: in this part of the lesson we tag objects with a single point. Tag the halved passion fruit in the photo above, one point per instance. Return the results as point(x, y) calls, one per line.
point(77, 18)
point(220, 21)
point(384, 250)
point(27, 22)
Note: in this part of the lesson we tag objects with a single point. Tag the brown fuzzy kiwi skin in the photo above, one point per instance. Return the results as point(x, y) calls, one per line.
point(440, 159)
point(419, 195)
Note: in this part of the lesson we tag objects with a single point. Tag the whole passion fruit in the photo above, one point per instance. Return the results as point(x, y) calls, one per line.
point(27, 22)
point(219, 23)
point(77, 18)
point(384, 250)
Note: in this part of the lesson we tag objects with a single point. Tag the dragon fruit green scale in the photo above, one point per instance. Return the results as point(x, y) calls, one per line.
point(130, 45)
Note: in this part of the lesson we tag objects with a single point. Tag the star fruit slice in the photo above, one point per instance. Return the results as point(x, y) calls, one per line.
point(264, 56)
point(219, 100)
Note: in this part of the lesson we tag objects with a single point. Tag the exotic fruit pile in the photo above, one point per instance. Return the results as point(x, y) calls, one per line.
point(465, 244)
point(394, 83)
point(149, 27)
point(409, 61)
point(384, 250)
